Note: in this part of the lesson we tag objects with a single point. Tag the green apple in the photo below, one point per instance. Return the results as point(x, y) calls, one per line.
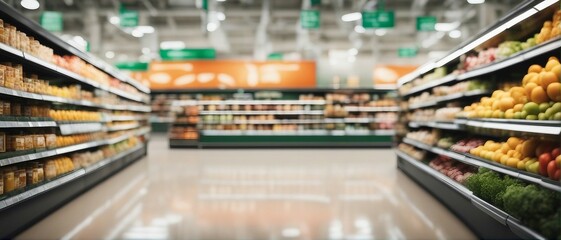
point(534, 167)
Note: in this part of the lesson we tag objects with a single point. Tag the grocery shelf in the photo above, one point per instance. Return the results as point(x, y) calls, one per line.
point(75, 128)
point(27, 124)
point(40, 189)
point(10, 50)
point(371, 109)
point(127, 118)
point(444, 179)
point(450, 97)
point(297, 133)
point(35, 203)
point(274, 121)
point(314, 112)
point(63, 150)
point(447, 79)
point(123, 127)
point(260, 102)
point(487, 221)
point(66, 73)
point(521, 56)
point(21, 94)
point(540, 127)
point(447, 125)
point(480, 162)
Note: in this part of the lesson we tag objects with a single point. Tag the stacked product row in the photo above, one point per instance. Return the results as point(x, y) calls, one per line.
point(62, 117)
point(326, 113)
point(489, 133)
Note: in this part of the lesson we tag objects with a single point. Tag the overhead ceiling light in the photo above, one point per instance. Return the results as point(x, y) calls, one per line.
point(211, 27)
point(137, 33)
point(172, 45)
point(455, 34)
point(114, 20)
point(380, 32)
point(353, 51)
point(145, 29)
point(359, 29)
point(476, 1)
point(30, 4)
point(110, 54)
point(446, 27)
point(220, 16)
point(349, 17)
point(544, 4)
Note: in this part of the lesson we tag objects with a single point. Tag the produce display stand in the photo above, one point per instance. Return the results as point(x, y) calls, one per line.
point(484, 219)
point(22, 207)
point(306, 113)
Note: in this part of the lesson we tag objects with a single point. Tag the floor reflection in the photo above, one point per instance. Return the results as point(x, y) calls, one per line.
point(255, 194)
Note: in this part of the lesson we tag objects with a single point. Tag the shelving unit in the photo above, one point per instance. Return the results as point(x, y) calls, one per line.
point(299, 118)
point(30, 202)
point(486, 220)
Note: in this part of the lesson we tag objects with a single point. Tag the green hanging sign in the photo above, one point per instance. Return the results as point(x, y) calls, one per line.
point(51, 21)
point(132, 66)
point(378, 19)
point(310, 19)
point(128, 18)
point(275, 56)
point(407, 52)
point(187, 53)
point(315, 2)
point(426, 23)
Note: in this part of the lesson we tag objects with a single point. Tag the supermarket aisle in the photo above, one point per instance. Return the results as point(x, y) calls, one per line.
point(255, 194)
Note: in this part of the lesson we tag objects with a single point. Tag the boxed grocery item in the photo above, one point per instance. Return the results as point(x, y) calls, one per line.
point(9, 182)
point(50, 141)
point(2, 142)
point(39, 141)
point(28, 141)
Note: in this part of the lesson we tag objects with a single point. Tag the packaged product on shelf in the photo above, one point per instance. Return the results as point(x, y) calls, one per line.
point(2, 142)
point(9, 181)
point(21, 179)
point(2, 75)
point(50, 140)
point(16, 143)
point(39, 141)
point(16, 109)
point(28, 142)
point(49, 169)
point(7, 108)
point(1, 182)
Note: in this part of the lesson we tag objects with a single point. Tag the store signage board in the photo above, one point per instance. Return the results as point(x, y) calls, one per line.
point(132, 66)
point(187, 54)
point(426, 23)
point(275, 56)
point(386, 76)
point(378, 19)
point(310, 19)
point(231, 74)
point(52, 21)
point(128, 18)
point(407, 52)
point(315, 2)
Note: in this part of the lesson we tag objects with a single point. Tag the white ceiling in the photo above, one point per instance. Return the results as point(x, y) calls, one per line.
point(252, 30)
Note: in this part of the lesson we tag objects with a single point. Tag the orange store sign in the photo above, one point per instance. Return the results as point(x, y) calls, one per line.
point(231, 74)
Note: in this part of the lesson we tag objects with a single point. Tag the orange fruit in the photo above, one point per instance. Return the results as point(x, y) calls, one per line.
point(535, 68)
point(538, 95)
point(557, 71)
point(529, 87)
point(518, 107)
point(506, 103)
point(527, 78)
point(551, 63)
point(513, 142)
point(554, 91)
point(553, 58)
point(512, 162)
point(547, 78)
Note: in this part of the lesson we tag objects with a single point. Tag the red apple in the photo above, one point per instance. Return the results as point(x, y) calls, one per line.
point(551, 168)
point(555, 152)
point(557, 175)
point(544, 159)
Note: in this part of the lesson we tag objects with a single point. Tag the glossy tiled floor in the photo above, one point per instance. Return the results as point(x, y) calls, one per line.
point(255, 194)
